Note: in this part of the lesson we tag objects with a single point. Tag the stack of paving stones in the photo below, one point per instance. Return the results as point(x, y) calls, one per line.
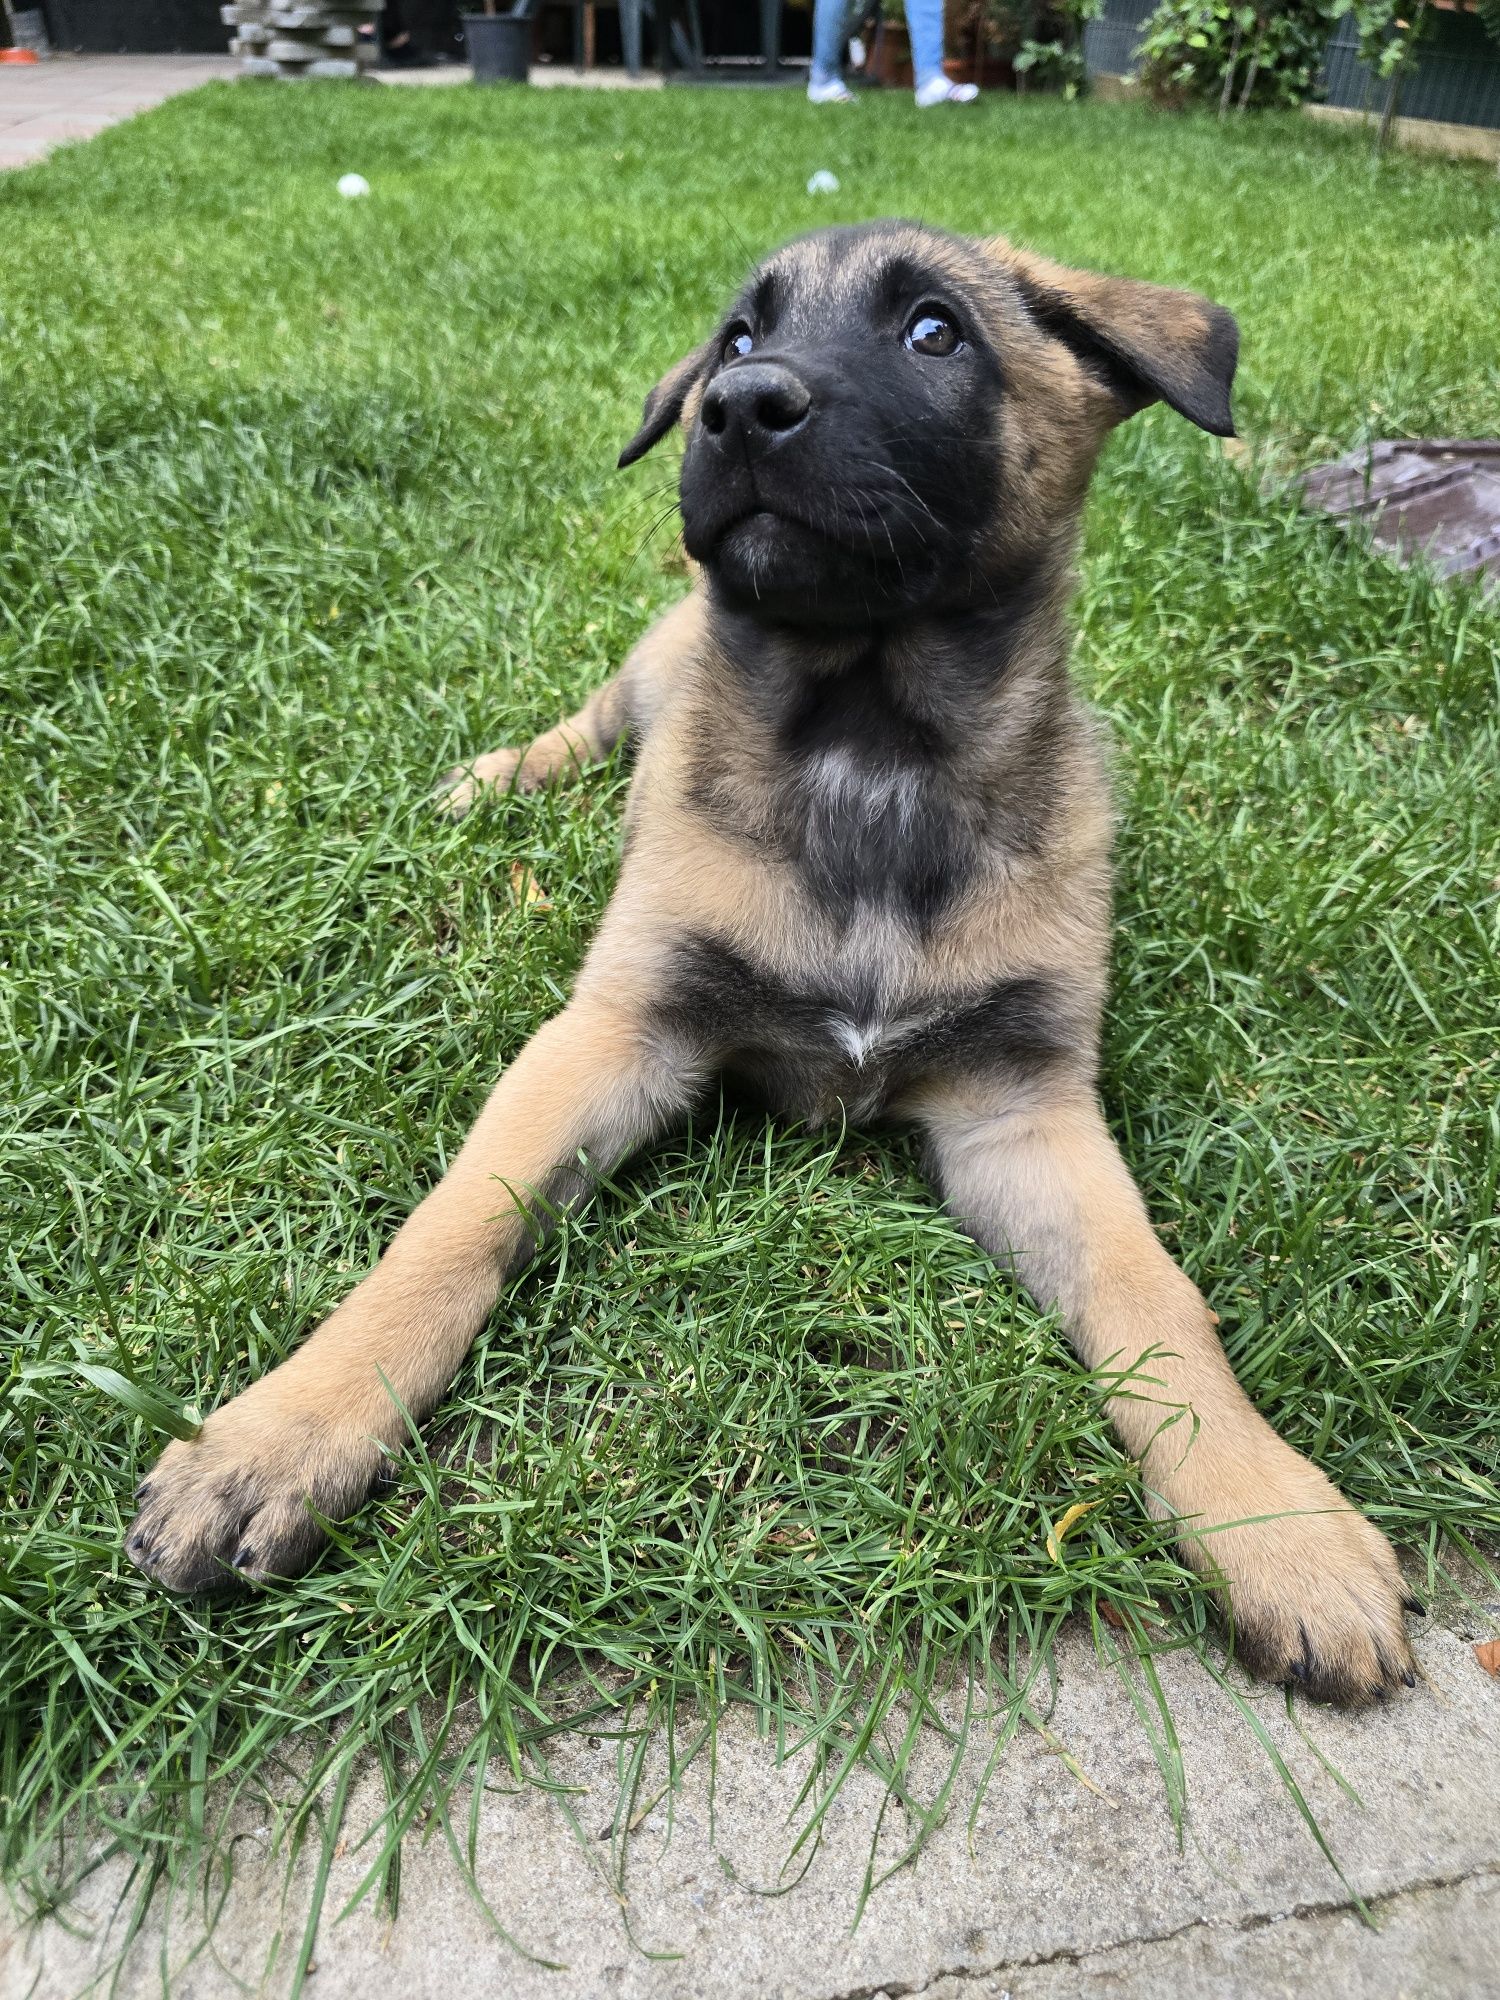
point(288, 39)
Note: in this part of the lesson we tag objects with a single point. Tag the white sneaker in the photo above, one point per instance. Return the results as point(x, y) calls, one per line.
point(829, 93)
point(940, 90)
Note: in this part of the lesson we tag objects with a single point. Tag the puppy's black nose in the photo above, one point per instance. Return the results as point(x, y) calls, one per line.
point(754, 406)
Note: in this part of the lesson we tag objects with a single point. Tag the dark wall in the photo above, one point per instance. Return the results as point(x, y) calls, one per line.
point(730, 28)
point(193, 27)
point(1109, 41)
point(139, 27)
point(434, 24)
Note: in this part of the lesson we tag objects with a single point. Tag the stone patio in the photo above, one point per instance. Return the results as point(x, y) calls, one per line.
point(45, 104)
point(1061, 1878)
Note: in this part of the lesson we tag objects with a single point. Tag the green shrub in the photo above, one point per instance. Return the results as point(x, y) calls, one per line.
point(1235, 55)
point(1041, 39)
point(1055, 65)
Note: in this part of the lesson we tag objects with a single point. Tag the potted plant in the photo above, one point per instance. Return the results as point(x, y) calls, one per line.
point(890, 54)
point(987, 33)
point(499, 44)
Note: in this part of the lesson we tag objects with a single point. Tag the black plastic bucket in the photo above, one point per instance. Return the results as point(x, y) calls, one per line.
point(499, 47)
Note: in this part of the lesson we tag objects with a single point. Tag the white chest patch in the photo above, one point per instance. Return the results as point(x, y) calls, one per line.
point(843, 782)
point(860, 1040)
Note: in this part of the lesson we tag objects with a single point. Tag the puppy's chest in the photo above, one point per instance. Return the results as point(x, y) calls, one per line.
point(871, 833)
point(866, 800)
point(823, 1046)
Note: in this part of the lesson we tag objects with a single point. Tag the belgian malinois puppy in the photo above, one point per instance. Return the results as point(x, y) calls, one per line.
point(866, 870)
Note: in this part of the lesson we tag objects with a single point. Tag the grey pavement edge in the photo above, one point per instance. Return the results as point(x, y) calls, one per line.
point(1071, 1881)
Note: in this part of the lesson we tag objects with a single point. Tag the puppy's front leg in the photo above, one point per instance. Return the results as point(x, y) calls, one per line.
point(1312, 1588)
point(559, 756)
point(236, 1498)
point(627, 704)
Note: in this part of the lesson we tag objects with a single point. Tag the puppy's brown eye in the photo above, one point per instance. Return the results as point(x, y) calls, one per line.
point(932, 333)
point(738, 343)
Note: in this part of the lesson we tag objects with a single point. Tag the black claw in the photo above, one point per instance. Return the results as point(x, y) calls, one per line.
point(242, 1557)
point(143, 1489)
point(1409, 1677)
point(1415, 1606)
point(1380, 1692)
point(1297, 1671)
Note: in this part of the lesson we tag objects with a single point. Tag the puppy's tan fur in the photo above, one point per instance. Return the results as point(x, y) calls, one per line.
point(1022, 1153)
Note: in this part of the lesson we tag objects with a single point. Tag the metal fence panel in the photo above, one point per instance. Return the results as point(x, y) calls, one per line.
point(1455, 79)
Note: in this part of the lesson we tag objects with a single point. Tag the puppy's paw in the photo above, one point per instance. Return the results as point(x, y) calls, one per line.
point(556, 758)
point(236, 1504)
point(495, 772)
point(1313, 1595)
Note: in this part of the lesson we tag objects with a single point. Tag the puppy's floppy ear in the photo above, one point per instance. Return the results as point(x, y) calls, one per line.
point(1146, 343)
point(664, 403)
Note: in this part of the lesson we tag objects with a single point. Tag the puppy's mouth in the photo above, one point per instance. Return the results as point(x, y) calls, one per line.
point(752, 527)
point(805, 549)
point(767, 531)
point(764, 555)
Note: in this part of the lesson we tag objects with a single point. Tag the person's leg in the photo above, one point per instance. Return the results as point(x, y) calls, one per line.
point(924, 23)
point(830, 18)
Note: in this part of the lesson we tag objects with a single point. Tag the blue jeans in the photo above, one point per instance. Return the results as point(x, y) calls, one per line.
point(924, 23)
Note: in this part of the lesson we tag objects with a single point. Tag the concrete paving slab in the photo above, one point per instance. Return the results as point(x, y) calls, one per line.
point(54, 126)
point(1071, 1880)
point(73, 97)
point(1424, 1944)
point(555, 77)
point(545, 76)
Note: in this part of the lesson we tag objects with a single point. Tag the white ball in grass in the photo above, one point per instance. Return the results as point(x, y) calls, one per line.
point(351, 186)
point(823, 182)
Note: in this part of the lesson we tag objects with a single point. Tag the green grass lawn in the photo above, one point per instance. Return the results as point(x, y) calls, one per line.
point(304, 499)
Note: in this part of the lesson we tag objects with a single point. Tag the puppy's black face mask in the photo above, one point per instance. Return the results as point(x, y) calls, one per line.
point(843, 454)
point(840, 458)
point(890, 419)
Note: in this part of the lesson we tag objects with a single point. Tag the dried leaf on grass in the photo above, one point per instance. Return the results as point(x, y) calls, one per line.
point(1058, 1535)
point(1145, 1614)
point(1487, 1652)
point(526, 889)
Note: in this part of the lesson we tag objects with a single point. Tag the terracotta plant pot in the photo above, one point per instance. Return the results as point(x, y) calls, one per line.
point(890, 58)
point(992, 73)
point(890, 63)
